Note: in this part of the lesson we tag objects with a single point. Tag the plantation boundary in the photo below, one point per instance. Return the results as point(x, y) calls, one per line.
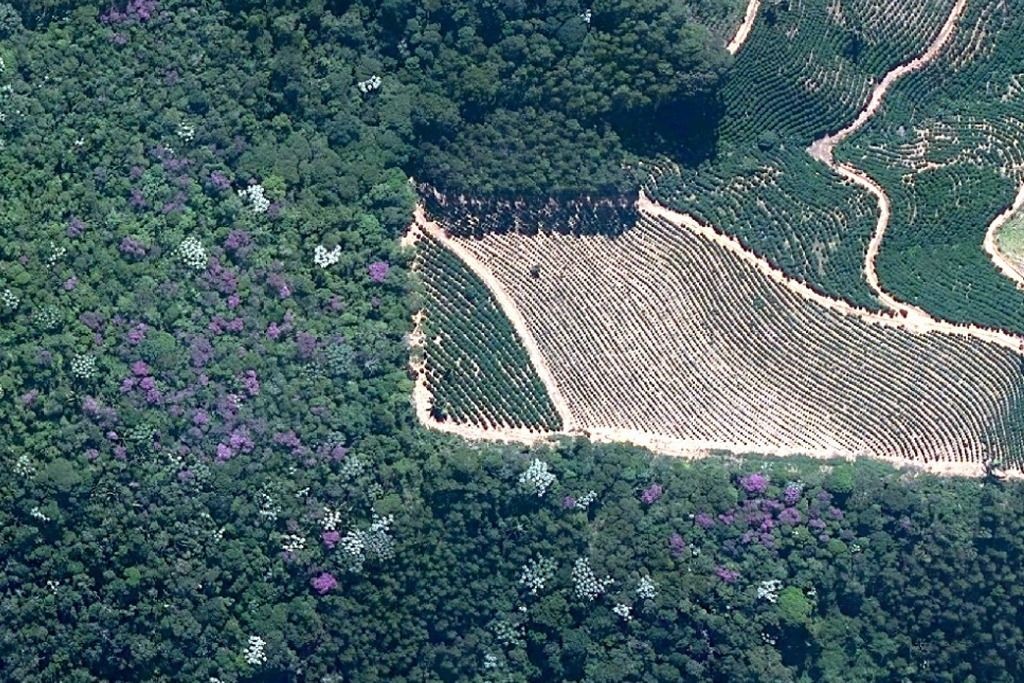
point(743, 32)
point(656, 442)
point(912, 324)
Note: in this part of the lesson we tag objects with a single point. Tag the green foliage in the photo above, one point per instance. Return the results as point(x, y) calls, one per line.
point(840, 480)
point(794, 607)
point(476, 369)
point(503, 83)
point(10, 20)
point(161, 349)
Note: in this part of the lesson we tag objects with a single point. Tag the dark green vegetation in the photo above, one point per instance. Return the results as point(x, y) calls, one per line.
point(544, 98)
point(476, 369)
point(805, 71)
point(207, 438)
point(948, 147)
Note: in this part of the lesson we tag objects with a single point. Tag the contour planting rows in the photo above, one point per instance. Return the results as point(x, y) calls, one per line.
point(473, 365)
point(808, 65)
point(806, 70)
point(664, 332)
point(947, 148)
point(806, 220)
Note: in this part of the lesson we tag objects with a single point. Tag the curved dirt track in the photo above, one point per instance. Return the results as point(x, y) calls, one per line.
point(991, 244)
point(508, 307)
point(920, 324)
point(744, 30)
point(823, 150)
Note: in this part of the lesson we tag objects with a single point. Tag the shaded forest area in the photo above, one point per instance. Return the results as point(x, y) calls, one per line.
point(501, 99)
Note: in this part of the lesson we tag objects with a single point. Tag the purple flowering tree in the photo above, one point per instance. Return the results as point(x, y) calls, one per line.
point(324, 583)
point(651, 494)
point(754, 483)
point(676, 544)
point(378, 271)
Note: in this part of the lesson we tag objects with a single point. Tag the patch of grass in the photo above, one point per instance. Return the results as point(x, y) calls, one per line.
point(1011, 236)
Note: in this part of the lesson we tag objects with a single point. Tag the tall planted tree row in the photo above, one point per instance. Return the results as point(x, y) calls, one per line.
point(948, 147)
point(476, 369)
point(574, 214)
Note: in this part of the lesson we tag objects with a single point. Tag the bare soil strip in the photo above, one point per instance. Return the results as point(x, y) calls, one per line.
point(991, 244)
point(823, 151)
point(696, 450)
point(744, 30)
point(511, 311)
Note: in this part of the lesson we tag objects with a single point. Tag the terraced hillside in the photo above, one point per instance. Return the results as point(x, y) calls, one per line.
point(667, 332)
point(947, 147)
point(806, 70)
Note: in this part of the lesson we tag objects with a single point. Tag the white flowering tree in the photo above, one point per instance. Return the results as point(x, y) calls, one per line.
point(192, 253)
point(324, 257)
point(10, 299)
point(537, 478)
point(256, 195)
point(537, 573)
point(255, 651)
point(374, 543)
point(83, 366)
point(769, 590)
point(370, 84)
point(646, 588)
point(585, 583)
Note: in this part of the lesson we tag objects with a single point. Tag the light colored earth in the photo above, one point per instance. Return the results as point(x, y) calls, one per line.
point(744, 30)
point(1004, 241)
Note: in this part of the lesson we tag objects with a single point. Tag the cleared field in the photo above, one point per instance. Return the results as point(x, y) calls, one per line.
point(665, 332)
point(1011, 238)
